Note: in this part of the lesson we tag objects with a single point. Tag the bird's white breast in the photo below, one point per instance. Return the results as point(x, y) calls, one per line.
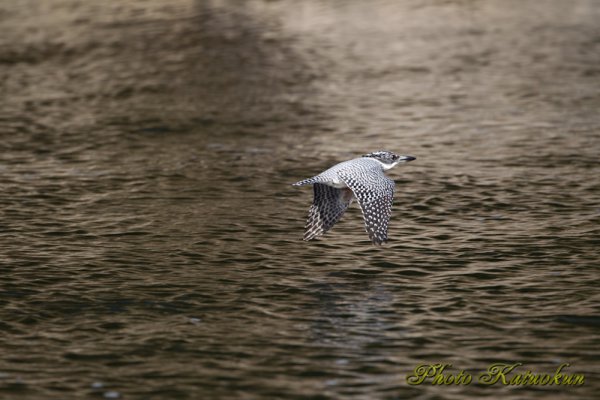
point(337, 183)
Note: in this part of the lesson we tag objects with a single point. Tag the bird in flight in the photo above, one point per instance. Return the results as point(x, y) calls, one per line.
point(362, 178)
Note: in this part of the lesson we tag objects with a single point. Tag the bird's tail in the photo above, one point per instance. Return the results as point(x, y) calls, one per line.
point(303, 182)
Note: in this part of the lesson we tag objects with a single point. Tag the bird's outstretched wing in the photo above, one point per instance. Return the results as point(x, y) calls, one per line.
point(375, 194)
point(328, 207)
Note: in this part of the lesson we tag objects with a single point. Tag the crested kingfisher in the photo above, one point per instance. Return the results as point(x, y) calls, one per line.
point(362, 178)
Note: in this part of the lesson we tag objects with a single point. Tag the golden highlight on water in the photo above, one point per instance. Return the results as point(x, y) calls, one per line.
point(498, 373)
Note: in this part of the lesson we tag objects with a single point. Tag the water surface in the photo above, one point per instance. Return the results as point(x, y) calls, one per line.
point(151, 241)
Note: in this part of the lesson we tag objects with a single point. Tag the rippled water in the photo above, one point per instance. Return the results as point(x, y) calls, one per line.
point(151, 241)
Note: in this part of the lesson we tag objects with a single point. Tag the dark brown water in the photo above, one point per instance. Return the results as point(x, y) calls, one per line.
point(150, 238)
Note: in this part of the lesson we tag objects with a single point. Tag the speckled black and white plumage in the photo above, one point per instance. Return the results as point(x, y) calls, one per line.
point(361, 178)
point(375, 194)
point(328, 206)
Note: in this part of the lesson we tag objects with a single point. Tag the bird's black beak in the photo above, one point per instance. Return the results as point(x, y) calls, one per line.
point(404, 159)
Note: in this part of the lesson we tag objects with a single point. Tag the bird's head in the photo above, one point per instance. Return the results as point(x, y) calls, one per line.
point(388, 159)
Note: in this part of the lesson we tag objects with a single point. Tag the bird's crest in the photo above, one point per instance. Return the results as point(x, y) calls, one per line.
point(386, 157)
